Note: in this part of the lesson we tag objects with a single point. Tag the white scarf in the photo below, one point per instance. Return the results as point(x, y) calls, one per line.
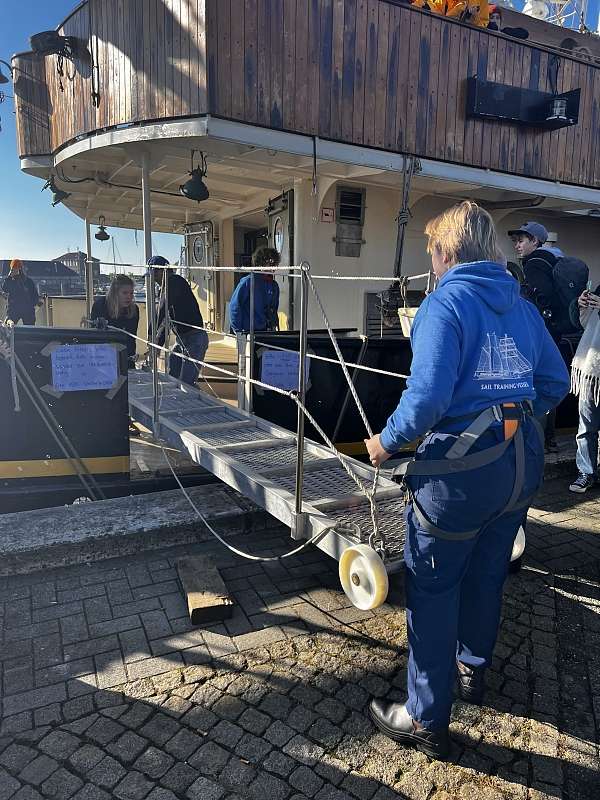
point(585, 369)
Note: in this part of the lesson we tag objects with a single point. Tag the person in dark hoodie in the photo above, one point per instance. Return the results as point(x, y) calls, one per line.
point(266, 296)
point(537, 262)
point(186, 322)
point(483, 367)
point(21, 293)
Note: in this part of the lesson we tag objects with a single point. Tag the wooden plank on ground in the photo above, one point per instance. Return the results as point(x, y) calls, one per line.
point(206, 593)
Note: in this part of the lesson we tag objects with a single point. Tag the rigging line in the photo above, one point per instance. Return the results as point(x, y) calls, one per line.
point(376, 536)
point(371, 495)
point(58, 434)
point(294, 269)
point(242, 553)
point(287, 350)
point(283, 392)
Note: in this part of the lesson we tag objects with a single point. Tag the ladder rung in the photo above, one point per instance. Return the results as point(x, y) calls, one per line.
point(258, 444)
point(354, 499)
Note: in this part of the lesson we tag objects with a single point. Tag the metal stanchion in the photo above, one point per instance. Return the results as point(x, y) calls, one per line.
point(250, 371)
point(165, 297)
point(150, 297)
point(89, 272)
point(298, 532)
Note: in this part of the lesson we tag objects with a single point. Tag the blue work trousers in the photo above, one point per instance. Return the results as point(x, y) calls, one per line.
point(454, 586)
point(587, 435)
point(195, 345)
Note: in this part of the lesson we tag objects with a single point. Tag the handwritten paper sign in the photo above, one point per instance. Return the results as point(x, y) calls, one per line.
point(83, 367)
point(281, 369)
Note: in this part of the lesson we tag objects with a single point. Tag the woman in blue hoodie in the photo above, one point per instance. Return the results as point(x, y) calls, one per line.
point(483, 367)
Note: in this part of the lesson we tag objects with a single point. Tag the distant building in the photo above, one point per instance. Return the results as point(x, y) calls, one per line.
point(50, 277)
point(76, 261)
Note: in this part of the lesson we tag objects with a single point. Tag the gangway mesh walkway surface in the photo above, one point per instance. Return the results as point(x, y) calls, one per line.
point(258, 459)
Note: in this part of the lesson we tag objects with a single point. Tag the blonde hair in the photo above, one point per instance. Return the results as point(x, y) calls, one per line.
point(463, 234)
point(112, 297)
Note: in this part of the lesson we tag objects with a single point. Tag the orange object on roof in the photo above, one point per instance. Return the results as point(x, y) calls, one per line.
point(475, 13)
point(435, 6)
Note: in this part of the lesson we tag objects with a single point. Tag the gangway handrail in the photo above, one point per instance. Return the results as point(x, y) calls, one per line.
point(287, 350)
point(292, 271)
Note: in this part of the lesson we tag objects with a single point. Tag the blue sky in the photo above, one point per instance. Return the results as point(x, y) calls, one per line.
point(31, 228)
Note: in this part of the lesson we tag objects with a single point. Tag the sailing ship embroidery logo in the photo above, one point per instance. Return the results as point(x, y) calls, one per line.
point(500, 358)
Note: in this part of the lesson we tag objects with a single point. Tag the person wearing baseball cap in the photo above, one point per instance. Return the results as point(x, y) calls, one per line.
point(532, 232)
point(538, 263)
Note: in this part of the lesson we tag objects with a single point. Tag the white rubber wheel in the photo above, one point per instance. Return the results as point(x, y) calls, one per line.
point(519, 545)
point(363, 577)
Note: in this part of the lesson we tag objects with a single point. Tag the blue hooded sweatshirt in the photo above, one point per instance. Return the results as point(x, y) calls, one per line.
point(266, 303)
point(475, 343)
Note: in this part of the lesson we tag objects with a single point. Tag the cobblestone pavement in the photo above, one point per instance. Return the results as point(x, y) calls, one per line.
point(108, 692)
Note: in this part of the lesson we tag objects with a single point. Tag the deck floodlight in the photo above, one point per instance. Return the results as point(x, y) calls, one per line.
point(58, 196)
point(102, 234)
point(3, 78)
point(195, 188)
point(48, 43)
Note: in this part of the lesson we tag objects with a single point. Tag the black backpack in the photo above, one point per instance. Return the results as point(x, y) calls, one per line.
point(570, 277)
point(553, 284)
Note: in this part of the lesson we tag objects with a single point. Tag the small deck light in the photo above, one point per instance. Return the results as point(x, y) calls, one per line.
point(195, 188)
point(558, 109)
point(58, 196)
point(102, 235)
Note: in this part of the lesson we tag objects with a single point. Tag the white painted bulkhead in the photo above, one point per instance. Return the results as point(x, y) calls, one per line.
point(345, 300)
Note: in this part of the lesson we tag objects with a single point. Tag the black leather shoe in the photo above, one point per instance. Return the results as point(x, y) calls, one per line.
point(471, 684)
point(395, 721)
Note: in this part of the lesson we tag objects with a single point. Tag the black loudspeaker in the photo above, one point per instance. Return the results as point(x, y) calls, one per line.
point(499, 101)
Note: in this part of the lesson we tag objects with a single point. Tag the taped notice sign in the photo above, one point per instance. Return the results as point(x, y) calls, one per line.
point(280, 369)
point(84, 367)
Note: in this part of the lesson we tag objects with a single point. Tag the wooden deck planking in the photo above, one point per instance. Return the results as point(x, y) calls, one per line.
point(289, 64)
point(325, 67)
point(360, 66)
point(276, 110)
point(300, 98)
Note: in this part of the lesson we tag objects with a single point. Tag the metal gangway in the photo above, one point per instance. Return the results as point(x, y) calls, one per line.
point(259, 459)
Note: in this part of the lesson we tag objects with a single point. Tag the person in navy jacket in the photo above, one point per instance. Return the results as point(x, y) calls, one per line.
point(266, 296)
point(484, 365)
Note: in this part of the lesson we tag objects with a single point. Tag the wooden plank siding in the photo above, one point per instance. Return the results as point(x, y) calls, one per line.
point(374, 73)
point(32, 106)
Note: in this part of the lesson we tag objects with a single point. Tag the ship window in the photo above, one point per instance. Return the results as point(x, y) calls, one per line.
point(350, 216)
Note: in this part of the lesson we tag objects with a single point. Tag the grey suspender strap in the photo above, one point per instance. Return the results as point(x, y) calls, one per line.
point(477, 428)
point(519, 472)
point(446, 467)
point(539, 429)
point(512, 504)
point(438, 532)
